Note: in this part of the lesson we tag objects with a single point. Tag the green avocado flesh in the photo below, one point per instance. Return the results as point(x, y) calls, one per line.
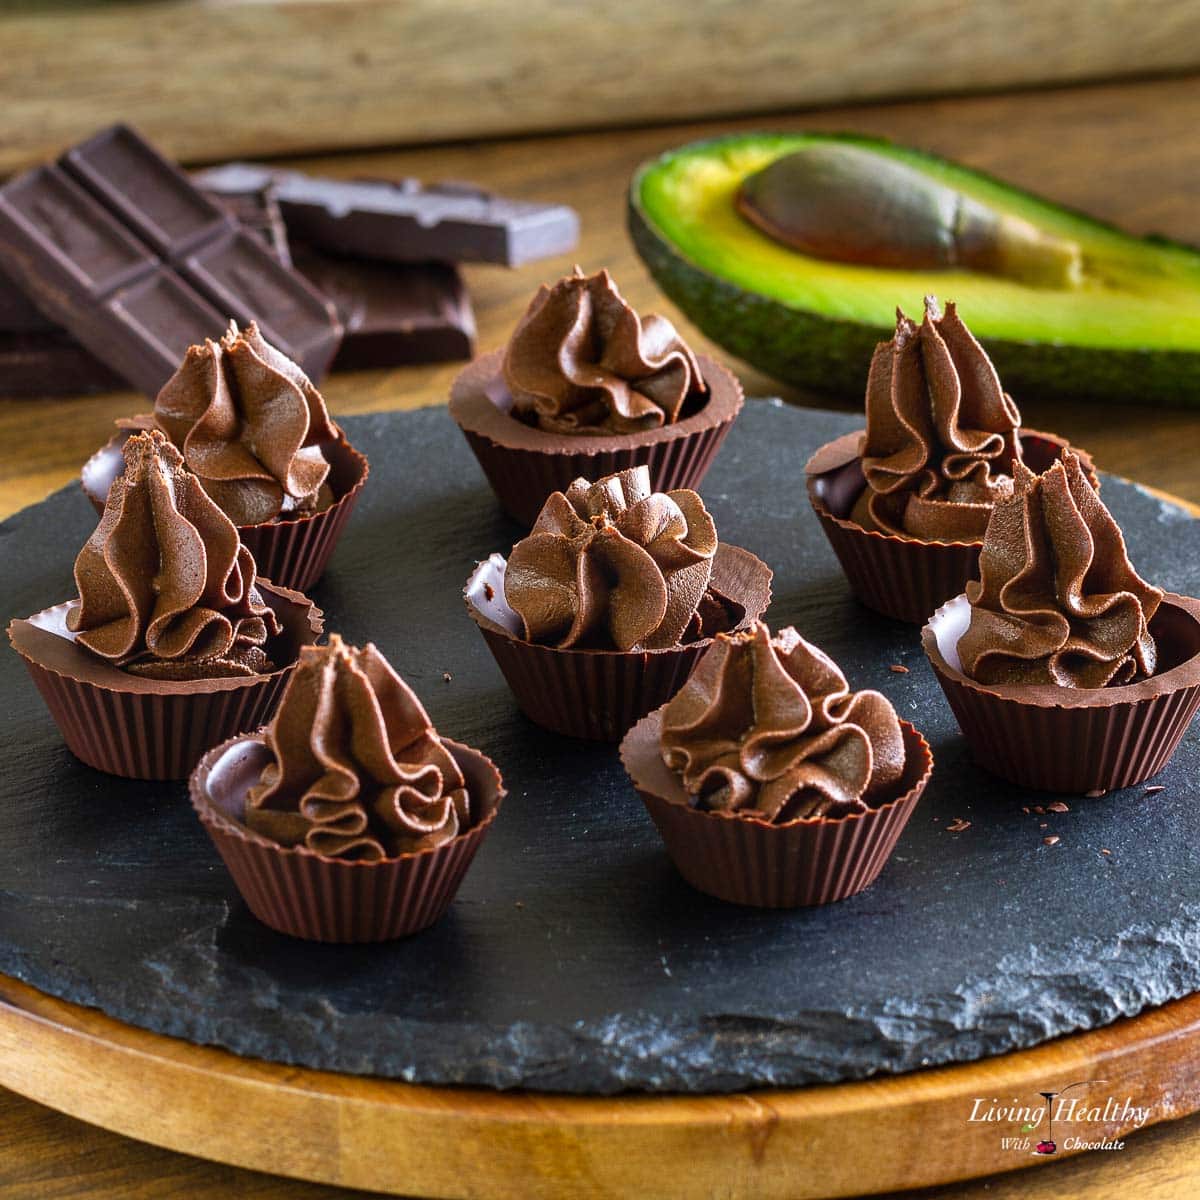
point(1129, 332)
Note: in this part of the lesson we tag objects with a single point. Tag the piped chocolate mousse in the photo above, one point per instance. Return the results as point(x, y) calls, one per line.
point(1066, 670)
point(586, 387)
point(251, 426)
point(175, 642)
point(358, 772)
point(166, 589)
point(770, 782)
point(942, 434)
point(613, 565)
point(767, 727)
point(905, 502)
point(1058, 601)
point(582, 362)
point(599, 614)
point(256, 433)
point(348, 818)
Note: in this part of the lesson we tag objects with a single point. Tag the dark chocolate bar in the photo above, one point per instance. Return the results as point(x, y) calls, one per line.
point(117, 245)
point(50, 362)
point(39, 358)
point(404, 221)
point(393, 314)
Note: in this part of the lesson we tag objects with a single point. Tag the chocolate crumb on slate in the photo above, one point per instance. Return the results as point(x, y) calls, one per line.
point(446, 676)
point(898, 669)
point(1096, 793)
point(1156, 787)
point(1106, 851)
point(1052, 840)
point(958, 825)
point(1058, 806)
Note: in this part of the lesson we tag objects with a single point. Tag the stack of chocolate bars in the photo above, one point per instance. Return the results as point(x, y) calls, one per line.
point(113, 261)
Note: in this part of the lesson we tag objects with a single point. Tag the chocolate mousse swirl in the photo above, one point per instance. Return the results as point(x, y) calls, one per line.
point(1058, 601)
point(359, 771)
point(581, 361)
point(166, 589)
point(613, 565)
point(942, 434)
point(250, 425)
point(767, 727)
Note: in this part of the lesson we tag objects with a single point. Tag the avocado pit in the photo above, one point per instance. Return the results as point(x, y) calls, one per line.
point(847, 204)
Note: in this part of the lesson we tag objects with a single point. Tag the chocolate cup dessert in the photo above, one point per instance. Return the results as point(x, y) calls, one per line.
point(525, 464)
point(902, 577)
point(1077, 740)
point(308, 895)
point(744, 860)
point(293, 551)
point(599, 694)
point(143, 728)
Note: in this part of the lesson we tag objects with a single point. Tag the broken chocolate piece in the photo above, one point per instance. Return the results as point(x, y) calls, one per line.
point(405, 221)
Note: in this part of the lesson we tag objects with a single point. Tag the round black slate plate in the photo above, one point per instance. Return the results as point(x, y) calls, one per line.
point(575, 958)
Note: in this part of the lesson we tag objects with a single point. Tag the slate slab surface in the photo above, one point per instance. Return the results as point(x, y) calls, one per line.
point(575, 958)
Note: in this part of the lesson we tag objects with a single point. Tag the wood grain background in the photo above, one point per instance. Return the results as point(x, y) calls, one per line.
point(1128, 153)
point(211, 78)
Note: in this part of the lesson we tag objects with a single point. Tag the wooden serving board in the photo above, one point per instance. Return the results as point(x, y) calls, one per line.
point(879, 1136)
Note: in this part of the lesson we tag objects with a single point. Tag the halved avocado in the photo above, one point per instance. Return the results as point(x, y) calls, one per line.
point(1130, 331)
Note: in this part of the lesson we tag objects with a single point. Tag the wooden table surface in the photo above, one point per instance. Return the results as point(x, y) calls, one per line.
point(1125, 152)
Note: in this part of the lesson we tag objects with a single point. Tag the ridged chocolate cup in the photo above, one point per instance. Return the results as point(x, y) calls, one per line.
point(1075, 740)
point(293, 551)
point(141, 728)
point(902, 577)
point(599, 694)
point(814, 860)
point(308, 895)
point(525, 464)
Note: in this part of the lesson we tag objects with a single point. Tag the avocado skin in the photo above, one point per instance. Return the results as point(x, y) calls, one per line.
point(809, 350)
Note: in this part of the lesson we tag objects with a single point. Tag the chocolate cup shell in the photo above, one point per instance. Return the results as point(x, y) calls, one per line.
point(901, 577)
point(816, 860)
point(599, 694)
point(294, 551)
point(154, 728)
point(308, 895)
point(525, 464)
point(1078, 740)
